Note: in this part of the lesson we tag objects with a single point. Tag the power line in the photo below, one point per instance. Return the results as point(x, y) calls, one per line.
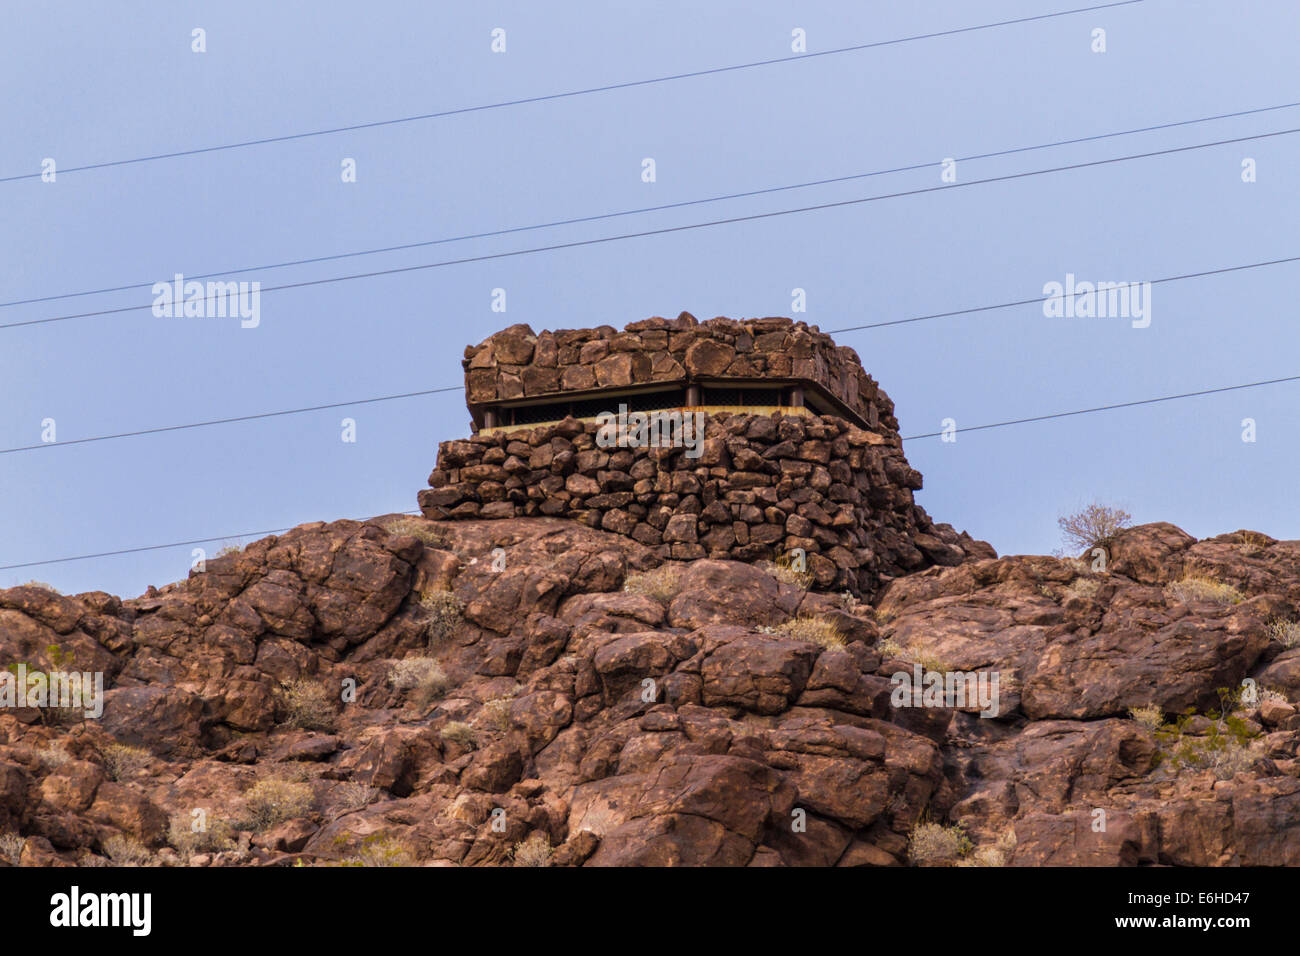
point(665, 206)
point(972, 428)
point(457, 388)
point(1038, 299)
point(235, 418)
point(685, 228)
point(570, 93)
point(156, 547)
point(1106, 408)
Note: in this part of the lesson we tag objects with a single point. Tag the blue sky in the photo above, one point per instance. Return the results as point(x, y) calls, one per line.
point(87, 84)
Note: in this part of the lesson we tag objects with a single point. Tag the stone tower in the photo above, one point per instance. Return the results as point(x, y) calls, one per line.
point(798, 452)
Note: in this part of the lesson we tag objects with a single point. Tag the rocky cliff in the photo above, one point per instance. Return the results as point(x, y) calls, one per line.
point(537, 691)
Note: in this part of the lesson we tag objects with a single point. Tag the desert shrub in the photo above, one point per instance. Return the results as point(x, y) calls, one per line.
point(1081, 588)
point(352, 795)
point(818, 630)
point(1095, 525)
point(1225, 749)
point(1228, 761)
point(427, 531)
point(127, 851)
point(379, 849)
point(934, 843)
point(271, 801)
point(1150, 717)
point(122, 762)
point(995, 854)
point(443, 613)
point(534, 851)
point(1287, 633)
point(1194, 587)
point(1223, 754)
point(11, 848)
point(661, 584)
point(229, 548)
point(309, 705)
point(423, 677)
point(459, 732)
point(187, 841)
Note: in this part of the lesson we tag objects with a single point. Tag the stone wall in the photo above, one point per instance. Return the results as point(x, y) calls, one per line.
point(517, 363)
point(761, 486)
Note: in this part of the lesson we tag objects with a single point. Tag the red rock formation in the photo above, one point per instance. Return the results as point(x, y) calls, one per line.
point(662, 724)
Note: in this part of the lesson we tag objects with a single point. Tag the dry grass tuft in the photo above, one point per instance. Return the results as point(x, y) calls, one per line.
point(271, 801)
point(40, 584)
point(1082, 588)
point(933, 843)
point(127, 851)
point(660, 584)
point(1195, 587)
point(534, 851)
point(211, 839)
point(459, 732)
point(783, 572)
point(381, 850)
point(890, 649)
point(122, 762)
point(815, 629)
point(310, 705)
point(1251, 543)
point(428, 532)
point(1286, 633)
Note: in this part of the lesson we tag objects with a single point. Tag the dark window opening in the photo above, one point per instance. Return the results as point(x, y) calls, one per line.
point(591, 407)
point(750, 395)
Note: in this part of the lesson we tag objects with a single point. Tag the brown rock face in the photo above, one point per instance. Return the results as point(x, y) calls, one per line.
point(671, 725)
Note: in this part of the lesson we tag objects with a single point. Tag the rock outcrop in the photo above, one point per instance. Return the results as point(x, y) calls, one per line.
point(594, 704)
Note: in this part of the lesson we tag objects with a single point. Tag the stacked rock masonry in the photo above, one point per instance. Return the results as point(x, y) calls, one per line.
point(817, 465)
